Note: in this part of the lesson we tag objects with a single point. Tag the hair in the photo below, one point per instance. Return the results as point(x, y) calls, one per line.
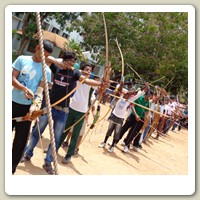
point(85, 64)
point(149, 92)
point(68, 55)
point(48, 46)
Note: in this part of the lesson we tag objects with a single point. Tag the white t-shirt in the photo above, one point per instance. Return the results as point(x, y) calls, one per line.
point(121, 105)
point(167, 109)
point(79, 101)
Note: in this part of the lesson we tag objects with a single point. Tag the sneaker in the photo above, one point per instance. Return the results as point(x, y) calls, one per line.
point(135, 149)
point(25, 158)
point(66, 160)
point(110, 149)
point(123, 144)
point(45, 151)
point(76, 152)
point(110, 144)
point(125, 150)
point(65, 144)
point(48, 168)
point(102, 145)
point(157, 137)
point(140, 146)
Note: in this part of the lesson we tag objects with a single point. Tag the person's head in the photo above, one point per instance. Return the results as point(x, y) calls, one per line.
point(87, 68)
point(148, 95)
point(128, 94)
point(173, 98)
point(69, 58)
point(48, 49)
point(166, 100)
point(96, 78)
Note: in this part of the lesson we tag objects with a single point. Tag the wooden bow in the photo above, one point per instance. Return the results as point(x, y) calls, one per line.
point(105, 78)
point(122, 58)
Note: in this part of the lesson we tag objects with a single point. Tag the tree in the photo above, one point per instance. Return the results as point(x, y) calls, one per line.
point(154, 44)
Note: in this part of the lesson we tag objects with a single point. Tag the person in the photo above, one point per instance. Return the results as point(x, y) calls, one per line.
point(28, 83)
point(116, 119)
point(64, 80)
point(77, 110)
point(135, 121)
point(92, 97)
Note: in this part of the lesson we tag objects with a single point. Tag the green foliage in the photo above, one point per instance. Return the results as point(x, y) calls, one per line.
point(74, 46)
point(154, 44)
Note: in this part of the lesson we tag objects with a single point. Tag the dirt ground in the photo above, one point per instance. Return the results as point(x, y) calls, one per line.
point(166, 156)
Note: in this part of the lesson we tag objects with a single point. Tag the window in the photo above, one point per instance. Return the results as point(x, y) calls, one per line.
point(45, 26)
point(55, 30)
point(19, 15)
point(65, 35)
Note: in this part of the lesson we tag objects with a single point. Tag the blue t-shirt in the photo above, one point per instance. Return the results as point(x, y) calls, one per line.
point(30, 76)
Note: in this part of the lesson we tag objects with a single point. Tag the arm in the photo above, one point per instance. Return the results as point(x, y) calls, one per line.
point(90, 82)
point(58, 62)
point(27, 92)
point(134, 112)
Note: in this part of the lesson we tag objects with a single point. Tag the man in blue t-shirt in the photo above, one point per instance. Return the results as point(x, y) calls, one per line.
point(28, 83)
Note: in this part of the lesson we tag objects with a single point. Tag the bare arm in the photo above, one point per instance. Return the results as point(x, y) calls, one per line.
point(90, 82)
point(134, 112)
point(57, 61)
point(16, 84)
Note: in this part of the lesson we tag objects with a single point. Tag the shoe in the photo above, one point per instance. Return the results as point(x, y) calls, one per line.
point(76, 152)
point(102, 145)
point(45, 151)
point(110, 149)
point(110, 144)
point(157, 138)
point(123, 144)
point(140, 146)
point(125, 150)
point(66, 160)
point(135, 149)
point(65, 144)
point(25, 158)
point(48, 168)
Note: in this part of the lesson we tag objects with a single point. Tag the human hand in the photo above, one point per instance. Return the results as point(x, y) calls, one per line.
point(28, 94)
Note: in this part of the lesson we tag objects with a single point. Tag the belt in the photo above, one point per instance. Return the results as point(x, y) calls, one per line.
point(64, 109)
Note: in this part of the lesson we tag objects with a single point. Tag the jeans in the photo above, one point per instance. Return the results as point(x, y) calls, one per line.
point(146, 130)
point(59, 120)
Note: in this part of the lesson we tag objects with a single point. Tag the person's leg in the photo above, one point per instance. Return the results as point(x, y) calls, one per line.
point(35, 136)
point(22, 130)
point(134, 133)
point(81, 135)
point(75, 134)
point(59, 118)
point(69, 124)
point(66, 142)
point(129, 122)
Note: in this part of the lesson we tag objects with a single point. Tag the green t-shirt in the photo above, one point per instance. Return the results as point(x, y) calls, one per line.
point(139, 110)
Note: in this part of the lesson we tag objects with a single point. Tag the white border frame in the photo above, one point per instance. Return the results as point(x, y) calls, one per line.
point(104, 185)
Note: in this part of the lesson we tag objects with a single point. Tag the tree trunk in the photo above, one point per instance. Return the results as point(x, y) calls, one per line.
point(22, 46)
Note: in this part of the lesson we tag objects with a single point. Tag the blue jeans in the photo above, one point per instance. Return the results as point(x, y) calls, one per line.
point(59, 120)
point(146, 130)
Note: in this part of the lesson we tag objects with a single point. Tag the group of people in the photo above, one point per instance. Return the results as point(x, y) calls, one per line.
point(70, 115)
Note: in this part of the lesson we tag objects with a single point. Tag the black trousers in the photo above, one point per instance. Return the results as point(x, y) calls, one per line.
point(134, 134)
point(130, 123)
point(22, 130)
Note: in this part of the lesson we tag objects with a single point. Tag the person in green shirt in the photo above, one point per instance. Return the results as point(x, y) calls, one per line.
point(135, 121)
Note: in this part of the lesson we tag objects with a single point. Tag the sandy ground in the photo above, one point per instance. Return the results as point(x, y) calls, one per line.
point(166, 156)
